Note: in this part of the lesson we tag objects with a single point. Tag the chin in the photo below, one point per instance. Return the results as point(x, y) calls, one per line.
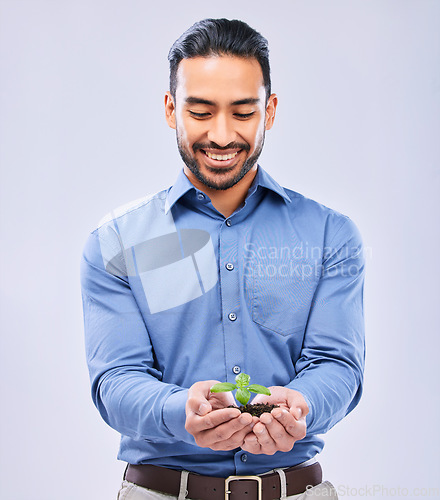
point(223, 180)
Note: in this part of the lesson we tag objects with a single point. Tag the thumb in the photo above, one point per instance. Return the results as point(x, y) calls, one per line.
point(296, 412)
point(204, 408)
point(198, 395)
point(299, 409)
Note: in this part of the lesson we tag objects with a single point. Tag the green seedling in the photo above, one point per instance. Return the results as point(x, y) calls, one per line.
point(243, 394)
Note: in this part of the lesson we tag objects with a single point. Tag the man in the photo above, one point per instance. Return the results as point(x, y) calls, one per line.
point(223, 273)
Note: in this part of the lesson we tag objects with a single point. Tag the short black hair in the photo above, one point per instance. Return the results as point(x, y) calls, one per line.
point(220, 37)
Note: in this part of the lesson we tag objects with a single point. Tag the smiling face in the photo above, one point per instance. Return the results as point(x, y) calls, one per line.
point(220, 116)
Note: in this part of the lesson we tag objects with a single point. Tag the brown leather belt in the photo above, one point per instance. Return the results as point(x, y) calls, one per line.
point(265, 487)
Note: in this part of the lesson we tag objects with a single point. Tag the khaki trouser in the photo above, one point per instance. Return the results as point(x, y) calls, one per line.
point(130, 491)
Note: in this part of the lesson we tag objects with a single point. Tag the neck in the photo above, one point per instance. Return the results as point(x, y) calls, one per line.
point(225, 201)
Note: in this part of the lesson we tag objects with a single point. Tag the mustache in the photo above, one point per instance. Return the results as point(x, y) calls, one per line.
point(212, 145)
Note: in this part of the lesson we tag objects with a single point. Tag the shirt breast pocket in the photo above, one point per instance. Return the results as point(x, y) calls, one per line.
point(282, 295)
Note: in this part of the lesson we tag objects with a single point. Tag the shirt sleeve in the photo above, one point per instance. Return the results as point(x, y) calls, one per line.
point(330, 368)
point(126, 384)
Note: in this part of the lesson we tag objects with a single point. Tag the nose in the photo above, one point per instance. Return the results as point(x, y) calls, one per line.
point(221, 130)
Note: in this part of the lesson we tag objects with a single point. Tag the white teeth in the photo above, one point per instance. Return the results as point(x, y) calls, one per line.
point(221, 157)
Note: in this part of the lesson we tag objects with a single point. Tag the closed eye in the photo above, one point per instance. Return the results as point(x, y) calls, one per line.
point(199, 115)
point(244, 115)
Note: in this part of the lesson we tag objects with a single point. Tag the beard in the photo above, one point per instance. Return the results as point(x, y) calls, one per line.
point(222, 178)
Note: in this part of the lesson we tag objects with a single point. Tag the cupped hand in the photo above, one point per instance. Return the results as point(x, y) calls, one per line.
point(280, 429)
point(211, 422)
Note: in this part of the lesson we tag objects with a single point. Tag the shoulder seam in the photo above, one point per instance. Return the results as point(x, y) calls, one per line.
point(137, 204)
point(339, 228)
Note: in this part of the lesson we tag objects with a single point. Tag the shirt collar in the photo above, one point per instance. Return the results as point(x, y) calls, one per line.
point(183, 185)
point(177, 190)
point(264, 180)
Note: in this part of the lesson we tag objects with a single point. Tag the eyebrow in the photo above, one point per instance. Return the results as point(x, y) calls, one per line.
point(199, 100)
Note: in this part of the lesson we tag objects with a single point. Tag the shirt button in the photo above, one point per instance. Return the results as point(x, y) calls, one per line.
point(232, 316)
point(236, 369)
point(229, 266)
point(201, 196)
point(244, 458)
point(228, 223)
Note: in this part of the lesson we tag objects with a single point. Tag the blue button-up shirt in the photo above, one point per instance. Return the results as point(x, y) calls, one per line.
point(175, 293)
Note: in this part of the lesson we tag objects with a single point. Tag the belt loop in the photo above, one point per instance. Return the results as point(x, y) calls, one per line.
point(282, 475)
point(183, 491)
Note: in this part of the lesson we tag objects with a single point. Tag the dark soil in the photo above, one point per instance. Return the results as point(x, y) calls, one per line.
point(256, 410)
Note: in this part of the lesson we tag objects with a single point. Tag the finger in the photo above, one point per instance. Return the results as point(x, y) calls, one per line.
point(251, 444)
point(234, 441)
point(297, 412)
point(221, 400)
point(299, 429)
point(282, 439)
point(196, 424)
point(197, 405)
point(265, 440)
point(223, 431)
point(217, 418)
point(250, 437)
point(284, 417)
point(203, 409)
point(295, 428)
point(198, 395)
point(274, 398)
point(228, 435)
point(298, 405)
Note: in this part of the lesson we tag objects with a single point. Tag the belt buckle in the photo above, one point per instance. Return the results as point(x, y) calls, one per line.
point(238, 478)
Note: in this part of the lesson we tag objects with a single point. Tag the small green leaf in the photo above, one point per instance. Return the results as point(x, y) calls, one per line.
point(223, 387)
point(243, 396)
point(242, 380)
point(259, 389)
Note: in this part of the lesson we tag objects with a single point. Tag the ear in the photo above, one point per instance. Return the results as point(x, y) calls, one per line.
point(170, 110)
point(270, 110)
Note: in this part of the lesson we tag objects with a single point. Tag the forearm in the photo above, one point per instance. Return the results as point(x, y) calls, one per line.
point(127, 386)
point(330, 369)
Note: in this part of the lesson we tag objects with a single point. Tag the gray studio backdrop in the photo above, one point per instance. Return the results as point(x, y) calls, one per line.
point(83, 131)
